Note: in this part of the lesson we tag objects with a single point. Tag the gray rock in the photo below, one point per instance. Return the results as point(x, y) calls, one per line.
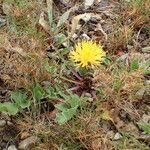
point(117, 136)
point(25, 144)
point(146, 50)
point(2, 123)
point(12, 147)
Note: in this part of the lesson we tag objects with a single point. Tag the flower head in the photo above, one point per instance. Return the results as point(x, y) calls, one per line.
point(87, 53)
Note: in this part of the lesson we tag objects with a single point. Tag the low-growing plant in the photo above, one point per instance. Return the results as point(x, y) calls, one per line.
point(19, 102)
point(69, 107)
point(145, 127)
point(130, 142)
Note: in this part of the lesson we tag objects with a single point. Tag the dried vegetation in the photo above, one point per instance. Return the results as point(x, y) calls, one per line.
point(116, 105)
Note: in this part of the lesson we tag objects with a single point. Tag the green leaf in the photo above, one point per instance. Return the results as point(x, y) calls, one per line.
point(122, 57)
point(50, 12)
point(64, 51)
point(38, 92)
point(50, 69)
point(76, 101)
point(60, 38)
point(145, 127)
point(134, 65)
point(9, 108)
point(63, 18)
point(62, 107)
point(106, 61)
point(65, 116)
point(51, 93)
point(20, 99)
point(118, 84)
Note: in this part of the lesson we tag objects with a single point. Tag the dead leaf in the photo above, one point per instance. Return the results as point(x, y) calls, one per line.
point(86, 17)
point(44, 24)
point(64, 17)
point(7, 46)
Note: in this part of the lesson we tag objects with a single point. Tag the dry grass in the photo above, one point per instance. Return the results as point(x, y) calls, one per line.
point(115, 85)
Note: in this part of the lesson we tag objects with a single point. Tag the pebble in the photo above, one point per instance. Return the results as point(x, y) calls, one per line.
point(2, 123)
point(117, 136)
point(25, 144)
point(12, 147)
point(85, 36)
point(146, 118)
point(9, 123)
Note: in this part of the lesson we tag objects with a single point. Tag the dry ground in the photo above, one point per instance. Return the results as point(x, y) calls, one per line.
point(34, 49)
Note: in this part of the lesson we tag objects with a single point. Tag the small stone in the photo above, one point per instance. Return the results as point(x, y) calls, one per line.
point(2, 123)
point(9, 123)
point(25, 144)
point(65, 44)
point(146, 118)
point(117, 136)
point(12, 147)
point(146, 50)
point(85, 36)
point(88, 95)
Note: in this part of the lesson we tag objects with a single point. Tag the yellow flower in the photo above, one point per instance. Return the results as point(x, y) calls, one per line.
point(87, 53)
